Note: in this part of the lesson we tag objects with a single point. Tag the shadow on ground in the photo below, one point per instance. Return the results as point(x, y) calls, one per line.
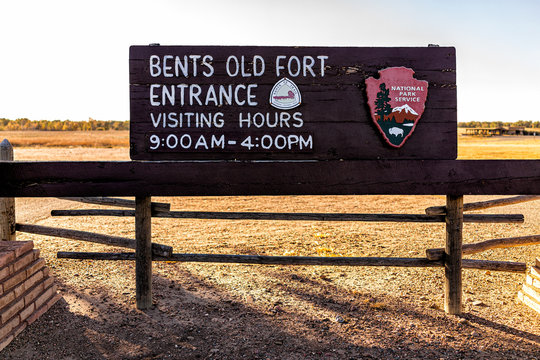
point(195, 319)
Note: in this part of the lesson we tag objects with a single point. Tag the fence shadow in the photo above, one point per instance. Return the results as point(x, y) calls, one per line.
point(502, 328)
point(194, 318)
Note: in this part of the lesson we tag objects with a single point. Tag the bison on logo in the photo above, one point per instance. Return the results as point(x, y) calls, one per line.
point(396, 101)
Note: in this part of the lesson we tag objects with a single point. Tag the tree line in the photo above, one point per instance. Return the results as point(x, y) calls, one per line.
point(93, 125)
point(62, 125)
point(497, 124)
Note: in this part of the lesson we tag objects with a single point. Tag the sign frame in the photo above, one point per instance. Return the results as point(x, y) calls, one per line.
point(331, 120)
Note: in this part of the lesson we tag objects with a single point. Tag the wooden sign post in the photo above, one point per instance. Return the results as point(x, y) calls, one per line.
point(7, 204)
point(453, 255)
point(143, 260)
point(293, 103)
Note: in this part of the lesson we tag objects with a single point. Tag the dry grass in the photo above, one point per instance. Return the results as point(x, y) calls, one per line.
point(469, 147)
point(498, 147)
point(99, 139)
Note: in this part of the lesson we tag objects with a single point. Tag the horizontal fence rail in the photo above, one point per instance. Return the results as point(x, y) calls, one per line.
point(472, 218)
point(157, 249)
point(468, 249)
point(305, 260)
point(125, 203)
point(441, 210)
point(217, 178)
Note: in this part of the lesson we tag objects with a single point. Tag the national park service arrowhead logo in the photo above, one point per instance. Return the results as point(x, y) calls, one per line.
point(285, 95)
point(396, 102)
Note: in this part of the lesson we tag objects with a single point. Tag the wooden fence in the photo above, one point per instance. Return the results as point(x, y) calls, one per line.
point(143, 180)
point(350, 149)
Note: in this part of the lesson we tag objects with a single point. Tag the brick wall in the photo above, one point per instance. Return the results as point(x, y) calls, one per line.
point(530, 293)
point(27, 290)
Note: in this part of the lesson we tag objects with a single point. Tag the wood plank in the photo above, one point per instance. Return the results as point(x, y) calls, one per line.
point(126, 203)
point(143, 261)
point(331, 141)
point(303, 260)
point(492, 265)
point(397, 177)
point(441, 210)
point(333, 108)
point(6, 150)
point(421, 58)
point(7, 204)
point(441, 107)
point(453, 255)
point(157, 249)
point(267, 260)
point(473, 218)
point(435, 254)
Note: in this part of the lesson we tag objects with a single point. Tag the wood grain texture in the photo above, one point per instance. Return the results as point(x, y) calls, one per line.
point(468, 249)
point(472, 218)
point(157, 249)
point(125, 203)
point(334, 106)
point(453, 255)
point(492, 265)
point(397, 177)
point(304, 260)
point(441, 210)
point(268, 260)
point(7, 204)
point(331, 141)
point(360, 60)
point(143, 261)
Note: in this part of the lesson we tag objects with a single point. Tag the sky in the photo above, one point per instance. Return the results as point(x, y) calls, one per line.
point(69, 59)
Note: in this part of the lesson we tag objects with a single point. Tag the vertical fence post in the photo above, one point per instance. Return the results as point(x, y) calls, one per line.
point(7, 205)
point(453, 254)
point(143, 258)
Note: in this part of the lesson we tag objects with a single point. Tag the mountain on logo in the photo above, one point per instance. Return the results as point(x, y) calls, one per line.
point(405, 108)
point(403, 113)
point(395, 119)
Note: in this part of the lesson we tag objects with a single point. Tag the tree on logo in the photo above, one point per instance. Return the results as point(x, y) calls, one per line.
point(382, 103)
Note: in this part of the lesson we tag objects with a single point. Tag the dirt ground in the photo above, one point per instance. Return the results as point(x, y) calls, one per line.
point(213, 311)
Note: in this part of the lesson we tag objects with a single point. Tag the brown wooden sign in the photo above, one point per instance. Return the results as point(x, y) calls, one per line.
point(291, 103)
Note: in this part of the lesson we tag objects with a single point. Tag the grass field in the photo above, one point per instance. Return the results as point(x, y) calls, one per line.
point(469, 147)
point(67, 138)
point(498, 147)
